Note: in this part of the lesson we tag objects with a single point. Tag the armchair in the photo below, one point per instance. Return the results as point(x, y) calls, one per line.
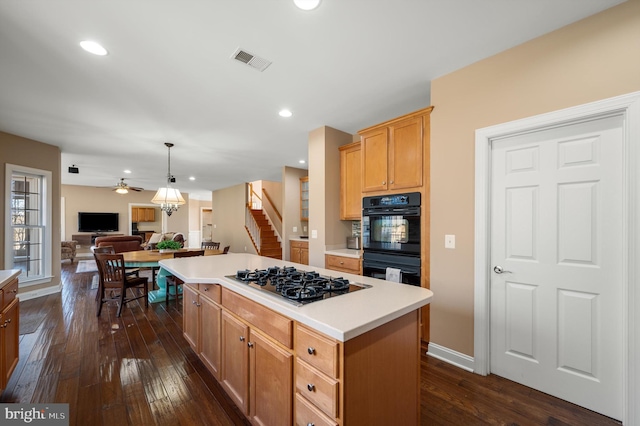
point(68, 250)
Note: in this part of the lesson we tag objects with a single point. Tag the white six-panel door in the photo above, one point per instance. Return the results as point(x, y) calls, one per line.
point(556, 232)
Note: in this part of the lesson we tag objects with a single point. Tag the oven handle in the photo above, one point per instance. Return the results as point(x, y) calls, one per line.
point(413, 211)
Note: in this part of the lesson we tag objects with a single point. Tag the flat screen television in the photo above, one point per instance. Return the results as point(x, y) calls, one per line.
point(97, 222)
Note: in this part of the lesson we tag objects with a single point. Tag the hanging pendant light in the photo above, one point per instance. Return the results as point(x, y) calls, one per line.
point(168, 197)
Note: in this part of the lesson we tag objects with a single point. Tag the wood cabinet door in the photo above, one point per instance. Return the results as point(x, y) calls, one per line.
point(135, 214)
point(374, 151)
point(271, 379)
point(10, 321)
point(190, 318)
point(234, 371)
point(149, 214)
point(351, 182)
point(210, 315)
point(405, 154)
point(294, 253)
point(304, 256)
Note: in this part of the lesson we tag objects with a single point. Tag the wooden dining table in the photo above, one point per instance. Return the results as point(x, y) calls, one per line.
point(149, 259)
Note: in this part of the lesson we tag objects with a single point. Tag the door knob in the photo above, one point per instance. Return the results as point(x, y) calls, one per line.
point(498, 270)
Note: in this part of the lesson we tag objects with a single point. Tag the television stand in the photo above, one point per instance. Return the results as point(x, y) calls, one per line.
point(89, 239)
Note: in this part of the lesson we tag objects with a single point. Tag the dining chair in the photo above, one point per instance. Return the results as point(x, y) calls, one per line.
point(174, 281)
point(226, 250)
point(113, 277)
point(111, 250)
point(210, 245)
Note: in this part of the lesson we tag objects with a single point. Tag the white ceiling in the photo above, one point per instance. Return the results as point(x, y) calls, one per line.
point(169, 76)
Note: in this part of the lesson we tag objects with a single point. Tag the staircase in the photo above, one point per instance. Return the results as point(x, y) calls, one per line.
point(268, 246)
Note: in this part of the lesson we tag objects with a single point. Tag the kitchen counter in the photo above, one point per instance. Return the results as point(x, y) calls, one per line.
point(298, 239)
point(342, 318)
point(355, 254)
point(6, 276)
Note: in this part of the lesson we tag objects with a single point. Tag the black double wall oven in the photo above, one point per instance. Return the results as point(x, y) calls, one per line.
point(391, 236)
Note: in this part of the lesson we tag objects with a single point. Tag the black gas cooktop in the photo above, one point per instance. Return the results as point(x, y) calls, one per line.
point(296, 286)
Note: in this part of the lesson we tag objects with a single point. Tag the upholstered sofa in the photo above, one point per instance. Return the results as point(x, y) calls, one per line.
point(68, 250)
point(120, 243)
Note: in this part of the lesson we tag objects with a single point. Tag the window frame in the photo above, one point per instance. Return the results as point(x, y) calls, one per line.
point(46, 205)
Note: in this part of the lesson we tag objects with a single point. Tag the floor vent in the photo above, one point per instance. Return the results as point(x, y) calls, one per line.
point(251, 60)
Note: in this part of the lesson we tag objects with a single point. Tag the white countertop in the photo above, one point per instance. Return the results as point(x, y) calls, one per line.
point(8, 275)
point(343, 317)
point(344, 253)
point(298, 239)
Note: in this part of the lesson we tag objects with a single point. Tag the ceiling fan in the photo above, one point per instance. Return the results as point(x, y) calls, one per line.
point(122, 188)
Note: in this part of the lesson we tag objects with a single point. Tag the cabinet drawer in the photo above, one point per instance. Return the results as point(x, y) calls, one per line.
point(341, 263)
point(317, 388)
point(317, 350)
point(307, 414)
point(10, 290)
point(275, 325)
point(212, 291)
point(299, 244)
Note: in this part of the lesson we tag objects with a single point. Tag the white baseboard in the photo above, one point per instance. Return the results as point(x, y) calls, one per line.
point(39, 293)
point(458, 359)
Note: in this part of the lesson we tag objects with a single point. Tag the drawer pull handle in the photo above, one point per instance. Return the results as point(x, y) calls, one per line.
point(250, 344)
point(242, 338)
point(311, 351)
point(311, 387)
point(7, 321)
point(206, 289)
point(311, 424)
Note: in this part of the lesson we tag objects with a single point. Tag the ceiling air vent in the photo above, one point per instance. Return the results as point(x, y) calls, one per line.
point(253, 61)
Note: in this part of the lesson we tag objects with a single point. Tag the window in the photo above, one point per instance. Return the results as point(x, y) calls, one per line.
point(29, 223)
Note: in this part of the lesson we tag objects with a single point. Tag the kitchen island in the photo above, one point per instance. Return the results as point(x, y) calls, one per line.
point(347, 360)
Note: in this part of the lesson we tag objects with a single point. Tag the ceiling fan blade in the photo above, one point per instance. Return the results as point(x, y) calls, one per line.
point(135, 188)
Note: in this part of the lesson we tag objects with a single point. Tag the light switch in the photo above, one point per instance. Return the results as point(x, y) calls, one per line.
point(295, 229)
point(314, 233)
point(450, 241)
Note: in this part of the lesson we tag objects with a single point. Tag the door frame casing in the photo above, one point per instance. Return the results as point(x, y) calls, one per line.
point(629, 107)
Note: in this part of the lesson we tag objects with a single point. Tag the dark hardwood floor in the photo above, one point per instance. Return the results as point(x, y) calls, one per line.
point(139, 370)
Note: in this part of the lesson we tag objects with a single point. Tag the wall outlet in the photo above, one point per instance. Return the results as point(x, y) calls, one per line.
point(450, 241)
point(245, 248)
point(314, 233)
point(215, 226)
point(304, 228)
point(295, 229)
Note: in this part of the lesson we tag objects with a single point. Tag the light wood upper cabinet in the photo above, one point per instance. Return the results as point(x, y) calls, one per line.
point(350, 182)
point(374, 152)
point(143, 214)
point(393, 153)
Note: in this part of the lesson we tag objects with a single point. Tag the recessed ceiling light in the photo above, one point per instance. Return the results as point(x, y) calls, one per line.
point(285, 113)
point(93, 47)
point(302, 161)
point(127, 171)
point(307, 4)
point(192, 178)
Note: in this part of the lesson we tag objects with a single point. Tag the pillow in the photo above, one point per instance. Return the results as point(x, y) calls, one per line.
point(155, 238)
point(167, 236)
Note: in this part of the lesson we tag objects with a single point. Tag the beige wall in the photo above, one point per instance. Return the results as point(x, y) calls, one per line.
point(26, 152)
point(593, 59)
point(324, 193)
point(228, 206)
point(94, 199)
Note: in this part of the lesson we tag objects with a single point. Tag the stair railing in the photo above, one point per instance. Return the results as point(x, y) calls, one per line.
point(252, 228)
